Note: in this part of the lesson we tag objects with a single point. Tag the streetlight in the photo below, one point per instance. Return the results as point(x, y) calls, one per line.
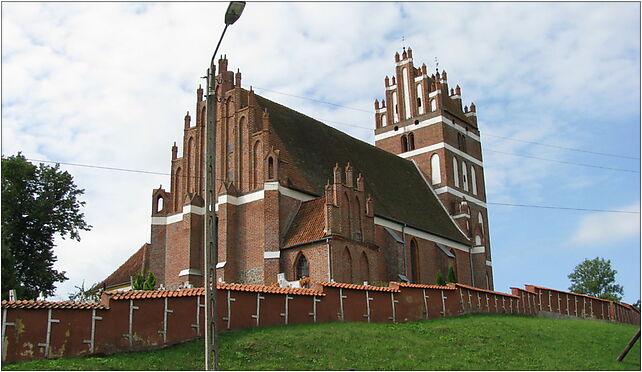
point(232, 14)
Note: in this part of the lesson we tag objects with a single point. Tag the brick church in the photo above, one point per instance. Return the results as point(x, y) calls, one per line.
point(298, 197)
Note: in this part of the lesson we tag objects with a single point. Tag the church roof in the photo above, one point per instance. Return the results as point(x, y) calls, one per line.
point(308, 224)
point(131, 267)
point(395, 184)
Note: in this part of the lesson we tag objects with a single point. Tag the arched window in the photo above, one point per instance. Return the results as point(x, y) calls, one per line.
point(404, 144)
point(190, 163)
point(478, 240)
point(435, 169)
point(464, 175)
point(456, 172)
point(203, 116)
point(395, 115)
point(270, 168)
point(433, 105)
point(420, 107)
point(414, 262)
point(302, 268)
point(365, 268)
point(348, 265)
point(256, 164)
point(177, 189)
point(160, 203)
point(406, 93)
point(473, 179)
point(357, 214)
point(384, 120)
point(480, 219)
point(411, 141)
point(345, 215)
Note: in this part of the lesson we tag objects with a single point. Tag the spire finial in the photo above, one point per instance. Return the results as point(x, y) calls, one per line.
point(437, 64)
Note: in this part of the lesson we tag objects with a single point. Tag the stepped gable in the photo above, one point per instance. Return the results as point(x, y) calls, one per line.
point(308, 224)
point(396, 186)
point(134, 265)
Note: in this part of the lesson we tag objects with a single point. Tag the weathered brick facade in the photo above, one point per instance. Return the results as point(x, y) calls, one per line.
point(295, 196)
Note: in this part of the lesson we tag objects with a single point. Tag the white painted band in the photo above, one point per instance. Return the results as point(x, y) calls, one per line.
point(391, 87)
point(471, 113)
point(489, 263)
point(434, 93)
point(438, 146)
point(420, 78)
point(403, 62)
point(168, 220)
point(190, 272)
point(381, 110)
point(420, 234)
point(456, 96)
point(221, 264)
point(478, 249)
point(457, 193)
point(462, 215)
point(272, 254)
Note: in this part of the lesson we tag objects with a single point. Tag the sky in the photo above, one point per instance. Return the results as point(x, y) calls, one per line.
point(108, 84)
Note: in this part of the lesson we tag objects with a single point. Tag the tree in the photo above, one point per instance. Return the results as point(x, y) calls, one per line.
point(38, 203)
point(595, 278)
point(85, 295)
point(144, 284)
point(452, 277)
point(440, 278)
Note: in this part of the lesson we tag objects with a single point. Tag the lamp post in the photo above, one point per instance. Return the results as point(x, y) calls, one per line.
point(232, 14)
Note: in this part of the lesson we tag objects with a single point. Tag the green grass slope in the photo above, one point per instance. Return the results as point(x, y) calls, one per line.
point(478, 342)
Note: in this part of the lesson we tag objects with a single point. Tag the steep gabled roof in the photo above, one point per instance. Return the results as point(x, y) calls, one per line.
point(131, 267)
point(308, 224)
point(396, 186)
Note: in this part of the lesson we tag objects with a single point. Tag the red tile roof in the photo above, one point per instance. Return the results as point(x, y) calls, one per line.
point(131, 267)
point(39, 304)
point(132, 295)
point(485, 290)
point(359, 287)
point(308, 224)
point(571, 293)
point(421, 286)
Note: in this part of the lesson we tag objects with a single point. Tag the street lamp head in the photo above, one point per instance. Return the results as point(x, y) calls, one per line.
point(234, 11)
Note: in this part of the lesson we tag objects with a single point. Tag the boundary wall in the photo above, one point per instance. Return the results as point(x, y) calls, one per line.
point(138, 320)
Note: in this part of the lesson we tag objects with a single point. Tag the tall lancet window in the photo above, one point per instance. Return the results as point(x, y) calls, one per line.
point(406, 93)
point(464, 175)
point(384, 120)
point(435, 169)
point(473, 179)
point(395, 112)
point(420, 97)
point(455, 172)
point(433, 105)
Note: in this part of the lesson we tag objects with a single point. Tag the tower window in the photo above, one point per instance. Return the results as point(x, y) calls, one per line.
point(473, 179)
point(456, 172)
point(464, 175)
point(435, 169)
point(433, 105)
point(411, 141)
point(404, 144)
point(418, 102)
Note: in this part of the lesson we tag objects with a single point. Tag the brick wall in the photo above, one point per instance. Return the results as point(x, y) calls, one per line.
point(139, 320)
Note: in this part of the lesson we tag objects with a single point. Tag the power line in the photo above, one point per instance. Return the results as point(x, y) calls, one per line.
point(564, 162)
point(562, 147)
point(565, 208)
point(485, 134)
point(167, 174)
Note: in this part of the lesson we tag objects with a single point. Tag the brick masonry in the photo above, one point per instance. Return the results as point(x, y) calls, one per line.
point(139, 320)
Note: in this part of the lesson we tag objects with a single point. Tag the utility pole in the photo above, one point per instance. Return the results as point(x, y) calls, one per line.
point(232, 14)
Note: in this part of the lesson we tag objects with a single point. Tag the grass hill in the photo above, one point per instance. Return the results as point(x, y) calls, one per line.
point(476, 342)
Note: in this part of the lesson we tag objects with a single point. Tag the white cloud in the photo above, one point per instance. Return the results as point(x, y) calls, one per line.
point(600, 227)
point(109, 83)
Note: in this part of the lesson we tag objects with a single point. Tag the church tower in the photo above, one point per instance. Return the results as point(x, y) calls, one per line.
point(421, 119)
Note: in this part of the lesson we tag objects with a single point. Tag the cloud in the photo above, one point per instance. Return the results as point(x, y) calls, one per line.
point(599, 228)
point(105, 83)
